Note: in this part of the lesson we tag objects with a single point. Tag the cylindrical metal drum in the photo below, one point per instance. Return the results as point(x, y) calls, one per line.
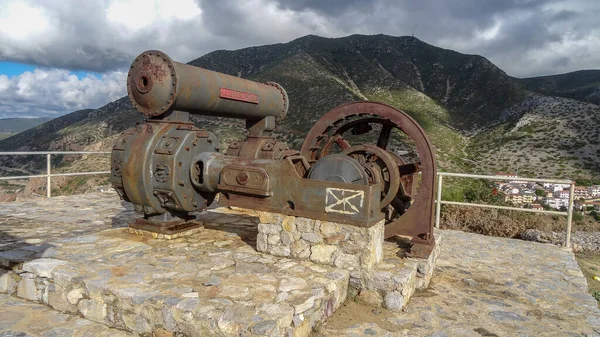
point(156, 84)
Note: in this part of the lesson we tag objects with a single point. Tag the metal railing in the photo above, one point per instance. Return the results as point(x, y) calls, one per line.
point(568, 213)
point(49, 173)
point(439, 201)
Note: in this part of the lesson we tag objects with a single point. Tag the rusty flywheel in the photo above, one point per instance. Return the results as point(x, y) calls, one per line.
point(397, 176)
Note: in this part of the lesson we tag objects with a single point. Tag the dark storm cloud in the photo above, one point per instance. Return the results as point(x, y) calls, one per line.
point(332, 7)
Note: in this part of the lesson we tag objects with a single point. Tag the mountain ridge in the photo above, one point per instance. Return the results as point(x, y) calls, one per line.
point(469, 107)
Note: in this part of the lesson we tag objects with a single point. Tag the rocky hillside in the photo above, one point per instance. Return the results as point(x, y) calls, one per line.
point(581, 85)
point(553, 136)
point(479, 118)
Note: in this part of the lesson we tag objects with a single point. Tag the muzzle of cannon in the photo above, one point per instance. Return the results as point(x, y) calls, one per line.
point(170, 169)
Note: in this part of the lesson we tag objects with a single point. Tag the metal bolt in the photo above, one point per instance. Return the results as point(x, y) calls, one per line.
point(181, 182)
point(242, 178)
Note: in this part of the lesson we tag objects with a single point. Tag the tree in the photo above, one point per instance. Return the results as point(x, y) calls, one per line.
point(540, 192)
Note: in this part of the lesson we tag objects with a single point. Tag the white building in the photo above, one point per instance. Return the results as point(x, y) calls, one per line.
point(594, 191)
point(562, 194)
point(556, 203)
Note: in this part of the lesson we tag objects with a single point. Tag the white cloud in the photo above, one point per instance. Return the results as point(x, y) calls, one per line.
point(53, 92)
point(21, 20)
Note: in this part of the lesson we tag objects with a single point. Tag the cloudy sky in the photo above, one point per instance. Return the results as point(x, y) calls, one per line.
point(57, 56)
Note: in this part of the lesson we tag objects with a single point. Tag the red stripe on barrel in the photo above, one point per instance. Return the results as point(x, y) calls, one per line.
point(238, 96)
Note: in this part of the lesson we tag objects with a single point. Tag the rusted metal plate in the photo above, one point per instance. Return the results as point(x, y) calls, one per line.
point(293, 195)
point(238, 95)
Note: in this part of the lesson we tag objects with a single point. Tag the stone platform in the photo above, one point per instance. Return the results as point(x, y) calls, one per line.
point(486, 286)
point(74, 255)
point(483, 286)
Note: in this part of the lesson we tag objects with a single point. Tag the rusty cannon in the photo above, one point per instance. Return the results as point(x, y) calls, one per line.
point(169, 169)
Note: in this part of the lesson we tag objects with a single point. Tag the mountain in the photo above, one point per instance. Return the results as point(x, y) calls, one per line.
point(583, 85)
point(478, 118)
point(10, 126)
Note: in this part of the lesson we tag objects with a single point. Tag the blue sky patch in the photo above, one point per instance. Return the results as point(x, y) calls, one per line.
point(11, 69)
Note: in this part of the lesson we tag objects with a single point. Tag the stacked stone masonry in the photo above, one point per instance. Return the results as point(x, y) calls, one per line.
point(328, 243)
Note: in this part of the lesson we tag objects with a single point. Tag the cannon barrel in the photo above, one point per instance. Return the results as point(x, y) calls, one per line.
point(156, 84)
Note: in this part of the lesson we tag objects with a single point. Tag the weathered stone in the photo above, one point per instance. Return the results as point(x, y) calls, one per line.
point(330, 228)
point(334, 239)
point(212, 281)
point(281, 251)
point(93, 308)
point(322, 253)
point(42, 267)
point(264, 327)
point(274, 239)
point(289, 224)
point(394, 301)
point(251, 268)
point(268, 228)
point(270, 218)
point(9, 282)
point(75, 295)
point(312, 237)
point(297, 247)
point(302, 307)
point(305, 225)
point(292, 283)
point(344, 260)
point(470, 281)
point(507, 316)
point(27, 288)
point(261, 242)
point(234, 291)
point(287, 238)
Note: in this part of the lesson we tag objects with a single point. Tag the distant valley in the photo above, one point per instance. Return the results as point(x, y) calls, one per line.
point(11, 126)
point(478, 118)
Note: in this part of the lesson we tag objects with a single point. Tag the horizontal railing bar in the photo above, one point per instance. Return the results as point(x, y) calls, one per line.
point(539, 180)
point(51, 152)
point(443, 202)
point(24, 177)
point(54, 175)
point(78, 174)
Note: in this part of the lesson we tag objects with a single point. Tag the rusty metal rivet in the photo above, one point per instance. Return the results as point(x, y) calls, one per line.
point(181, 182)
point(242, 178)
point(195, 204)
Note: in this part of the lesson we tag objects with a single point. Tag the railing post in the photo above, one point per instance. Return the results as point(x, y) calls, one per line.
point(570, 215)
point(48, 182)
point(438, 201)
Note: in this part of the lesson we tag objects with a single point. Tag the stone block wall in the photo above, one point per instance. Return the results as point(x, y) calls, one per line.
point(328, 243)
